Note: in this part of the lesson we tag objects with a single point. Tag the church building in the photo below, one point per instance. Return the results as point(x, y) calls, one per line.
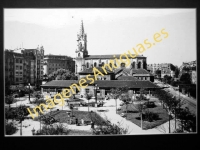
point(134, 76)
point(86, 61)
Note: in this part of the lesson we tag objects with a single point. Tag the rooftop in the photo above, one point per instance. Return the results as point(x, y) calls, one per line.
point(111, 56)
point(102, 84)
point(122, 83)
point(90, 71)
point(127, 78)
point(59, 83)
point(134, 71)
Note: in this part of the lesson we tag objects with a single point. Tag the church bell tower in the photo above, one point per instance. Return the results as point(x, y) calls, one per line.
point(81, 51)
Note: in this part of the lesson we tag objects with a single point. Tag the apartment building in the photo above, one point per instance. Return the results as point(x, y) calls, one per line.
point(55, 62)
point(165, 68)
point(24, 67)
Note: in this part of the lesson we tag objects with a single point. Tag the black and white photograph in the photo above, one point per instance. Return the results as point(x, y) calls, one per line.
point(99, 71)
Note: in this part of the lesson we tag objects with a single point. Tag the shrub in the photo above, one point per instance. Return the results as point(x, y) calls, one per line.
point(10, 113)
point(109, 128)
point(150, 116)
point(57, 129)
point(10, 128)
point(9, 100)
point(150, 104)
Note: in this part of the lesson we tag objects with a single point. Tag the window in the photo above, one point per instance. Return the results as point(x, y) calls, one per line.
point(20, 61)
point(95, 64)
point(133, 65)
point(17, 79)
point(20, 67)
point(122, 64)
point(87, 90)
point(87, 65)
point(139, 65)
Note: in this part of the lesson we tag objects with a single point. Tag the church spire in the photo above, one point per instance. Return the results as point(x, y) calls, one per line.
point(82, 28)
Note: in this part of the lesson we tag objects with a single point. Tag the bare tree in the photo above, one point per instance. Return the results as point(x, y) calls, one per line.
point(116, 92)
point(88, 96)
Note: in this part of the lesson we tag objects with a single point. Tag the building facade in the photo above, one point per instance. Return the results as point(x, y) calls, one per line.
point(85, 61)
point(190, 68)
point(165, 69)
point(54, 62)
point(25, 67)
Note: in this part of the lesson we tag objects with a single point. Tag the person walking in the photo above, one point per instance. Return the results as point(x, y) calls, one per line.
point(92, 125)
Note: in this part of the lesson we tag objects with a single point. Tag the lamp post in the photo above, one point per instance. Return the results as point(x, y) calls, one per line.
point(29, 92)
point(141, 114)
point(96, 87)
point(19, 97)
point(21, 117)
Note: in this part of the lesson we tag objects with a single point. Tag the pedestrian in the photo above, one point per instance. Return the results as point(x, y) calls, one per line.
point(82, 121)
point(76, 121)
point(92, 124)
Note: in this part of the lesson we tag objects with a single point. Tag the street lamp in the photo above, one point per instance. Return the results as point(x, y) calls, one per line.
point(29, 92)
point(19, 97)
point(96, 87)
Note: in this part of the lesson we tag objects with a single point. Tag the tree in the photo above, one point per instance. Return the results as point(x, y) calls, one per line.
point(38, 97)
point(9, 100)
point(140, 106)
point(116, 92)
point(88, 96)
point(186, 68)
point(21, 112)
point(62, 74)
point(188, 120)
point(171, 103)
point(167, 79)
point(158, 73)
point(185, 78)
point(124, 96)
point(172, 67)
point(177, 71)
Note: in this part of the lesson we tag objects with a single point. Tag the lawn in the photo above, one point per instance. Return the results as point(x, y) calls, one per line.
point(86, 116)
point(133, 116)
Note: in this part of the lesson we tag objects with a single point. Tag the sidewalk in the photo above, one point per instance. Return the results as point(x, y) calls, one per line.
point(133, 129)
point(110, 114)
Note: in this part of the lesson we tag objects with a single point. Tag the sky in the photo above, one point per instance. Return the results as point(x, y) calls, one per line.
point(109, 31)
